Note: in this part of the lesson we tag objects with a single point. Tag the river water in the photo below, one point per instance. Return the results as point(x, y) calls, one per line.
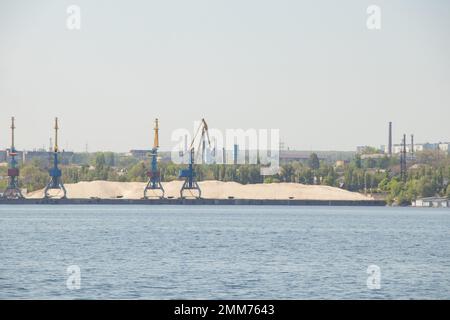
point(223, 252)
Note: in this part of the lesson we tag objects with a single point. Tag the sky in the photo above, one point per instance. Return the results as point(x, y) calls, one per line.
point(311, 69)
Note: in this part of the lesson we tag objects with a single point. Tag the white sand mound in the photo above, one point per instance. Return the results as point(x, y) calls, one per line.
point(210, 190)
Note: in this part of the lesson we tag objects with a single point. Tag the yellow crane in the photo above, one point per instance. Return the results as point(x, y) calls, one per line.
point(154, 182)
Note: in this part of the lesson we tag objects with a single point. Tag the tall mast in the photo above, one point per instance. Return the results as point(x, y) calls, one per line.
point(156, 139)
point(56, 134)
point(12, 133)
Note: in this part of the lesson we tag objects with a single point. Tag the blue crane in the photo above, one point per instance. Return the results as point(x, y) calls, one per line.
point(55, 173)
point(189, 174)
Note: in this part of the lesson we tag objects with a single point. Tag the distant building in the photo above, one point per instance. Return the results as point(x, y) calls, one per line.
point(5, 158)
point(432, 202)
point(65, 157)
point(445, 147)
point(373, 156)
point(29, 156)
point(340, 163)
point(163, 156)
point(3, 155)
point(397, 148)
point(366, 149)
point(292, 155)
point(140, 154)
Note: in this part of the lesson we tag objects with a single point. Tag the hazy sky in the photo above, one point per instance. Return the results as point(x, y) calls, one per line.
point(310, 68)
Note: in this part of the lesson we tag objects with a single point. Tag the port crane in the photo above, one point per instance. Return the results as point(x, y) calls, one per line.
point(12, 190)
point(55, 173)
point(154, 182)
point(189, 174)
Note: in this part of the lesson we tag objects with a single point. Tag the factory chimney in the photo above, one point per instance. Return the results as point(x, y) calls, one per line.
point(403, 160)
point(390, 140)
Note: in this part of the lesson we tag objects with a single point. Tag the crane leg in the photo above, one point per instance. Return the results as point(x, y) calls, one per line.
point(194, 186)
point(158, 186)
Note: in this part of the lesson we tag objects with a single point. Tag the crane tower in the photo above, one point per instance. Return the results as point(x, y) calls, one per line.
point(154, 175)
point(55, 173)
point(189, 174)
point(12, 190)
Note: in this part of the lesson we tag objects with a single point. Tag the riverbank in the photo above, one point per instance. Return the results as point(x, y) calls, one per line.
point(228, 202)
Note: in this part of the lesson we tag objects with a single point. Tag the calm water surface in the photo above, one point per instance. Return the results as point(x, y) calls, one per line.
point(223, 252)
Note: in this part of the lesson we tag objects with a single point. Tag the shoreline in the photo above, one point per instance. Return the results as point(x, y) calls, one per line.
point(276, 202)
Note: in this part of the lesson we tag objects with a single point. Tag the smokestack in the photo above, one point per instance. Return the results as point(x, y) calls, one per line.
point(235, 154)
point(412, 144)
point(390, 140)
point(224, 156)
point(403, 160)
point(404, 143)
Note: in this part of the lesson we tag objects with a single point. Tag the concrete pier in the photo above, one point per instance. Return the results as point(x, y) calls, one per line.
point(286, 202)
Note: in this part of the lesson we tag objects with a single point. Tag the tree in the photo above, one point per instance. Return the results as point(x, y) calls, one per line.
point(314, 162)
point(287, 173)
point(330, 179)
point(425, 187)
point(3, 178)
point(138, 172)
point(110, 159)
point(271, 180)
point(33, 177)
point(305, 176)
point(357, 162)
point(403, 199)
point(383, 185)
point(99, 161)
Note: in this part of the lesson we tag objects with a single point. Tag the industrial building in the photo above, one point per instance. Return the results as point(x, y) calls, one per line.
point(4, 156)
point(44, 156)
point(432, 202)
point(40, 155)
point(140, 154)
point(292, 155)
point(145, 155)
point(418, 147)
point(411, 146)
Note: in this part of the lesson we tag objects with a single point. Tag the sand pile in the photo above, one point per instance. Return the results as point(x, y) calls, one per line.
point(210, 190)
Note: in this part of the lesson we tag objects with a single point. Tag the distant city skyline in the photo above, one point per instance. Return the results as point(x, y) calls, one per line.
point(311, 69)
